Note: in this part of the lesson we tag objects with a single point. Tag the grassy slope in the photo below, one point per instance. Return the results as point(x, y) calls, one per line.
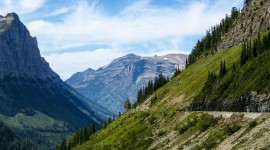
point(156, 125)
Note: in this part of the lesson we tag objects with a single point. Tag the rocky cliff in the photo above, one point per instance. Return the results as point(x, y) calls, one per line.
point(253, 18)
point(111, 85)
point(19, 53)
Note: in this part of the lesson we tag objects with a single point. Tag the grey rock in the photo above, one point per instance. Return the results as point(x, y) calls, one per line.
point(19, 53)
point(111, 85)
point(252, 19)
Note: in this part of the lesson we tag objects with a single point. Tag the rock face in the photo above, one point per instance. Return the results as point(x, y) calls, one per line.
point(27, 81)
point(253, 18)
point(111, 85)
point(19, 53)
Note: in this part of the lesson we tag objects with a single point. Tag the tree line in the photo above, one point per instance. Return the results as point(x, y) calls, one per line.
point(153, 86)
point(208, 44)
point(251, 49)
point(82, 135)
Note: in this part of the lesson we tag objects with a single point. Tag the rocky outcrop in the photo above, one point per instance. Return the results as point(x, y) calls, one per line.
point(19, 53)
point(251, 102)
point(111, 85)
point(253, 18)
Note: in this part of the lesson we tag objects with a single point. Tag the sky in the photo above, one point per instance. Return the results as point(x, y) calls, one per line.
point(74, 35)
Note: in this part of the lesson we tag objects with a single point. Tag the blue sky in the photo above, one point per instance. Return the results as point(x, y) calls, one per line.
point(74, 35)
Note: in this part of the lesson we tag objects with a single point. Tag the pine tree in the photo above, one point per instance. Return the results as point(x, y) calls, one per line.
point(127, 104)
point(109, 120)
point(268, 47)
point(63, 144)
point(176, 73)
point(92, 127)
point(234, 67)
point(221, 69)
point(243, 55)
point(255, 48)
point(259, 44)
point(186, 63)
point(224, 69)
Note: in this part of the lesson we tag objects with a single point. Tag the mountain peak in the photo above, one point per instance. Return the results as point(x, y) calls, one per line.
point(19, 52)
point(12, 15)
point(130, 55)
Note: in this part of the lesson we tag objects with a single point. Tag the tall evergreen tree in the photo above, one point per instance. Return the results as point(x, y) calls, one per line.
point(259, 43)
point(234, 67)
point(224, 69)
point(127, 104)
point(186, 63)
point(243, 55)
point(221, 69)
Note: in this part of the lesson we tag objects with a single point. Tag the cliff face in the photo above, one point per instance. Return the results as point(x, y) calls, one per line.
point(111, 85)
point(19, 53)
point(253, 18)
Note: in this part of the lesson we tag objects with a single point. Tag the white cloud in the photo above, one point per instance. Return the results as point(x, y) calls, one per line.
point(70, 62)
point(20, 6)
point(60, 11)
point(138, 23)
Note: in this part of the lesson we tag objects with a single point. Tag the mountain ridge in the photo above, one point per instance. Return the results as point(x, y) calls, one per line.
point(112, 84)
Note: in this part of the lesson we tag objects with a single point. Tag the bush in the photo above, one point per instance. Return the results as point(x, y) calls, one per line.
point(152, 119)
point(229, 130)
point(205, 121)
point(199, 123)
point(252, 124)
point(161, 133)
point(182, 129)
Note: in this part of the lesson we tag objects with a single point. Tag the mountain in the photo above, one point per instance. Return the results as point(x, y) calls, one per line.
point(206, 106)
point(30, 92)
point(111, 85)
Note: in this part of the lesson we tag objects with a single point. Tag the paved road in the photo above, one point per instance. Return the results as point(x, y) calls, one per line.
point(251, 115)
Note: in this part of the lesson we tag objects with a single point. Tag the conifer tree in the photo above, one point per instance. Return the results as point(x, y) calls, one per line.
point(224, 69)
point(186, 63)
point(255, 48)
point(127, 104)
point(234, 67)
point(259, 44)
point(221, 69)
point(243, 55)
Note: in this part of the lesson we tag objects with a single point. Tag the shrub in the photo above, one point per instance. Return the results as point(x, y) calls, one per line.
point(252, 124)
point(152, 119)
point(229, 130)
point(161, 133)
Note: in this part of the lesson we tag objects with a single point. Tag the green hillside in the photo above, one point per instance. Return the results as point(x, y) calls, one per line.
point(163, 123)
point(205, 106)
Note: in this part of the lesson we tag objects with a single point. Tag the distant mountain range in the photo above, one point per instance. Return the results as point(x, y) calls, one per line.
point(112, 84)
point(30, 88)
